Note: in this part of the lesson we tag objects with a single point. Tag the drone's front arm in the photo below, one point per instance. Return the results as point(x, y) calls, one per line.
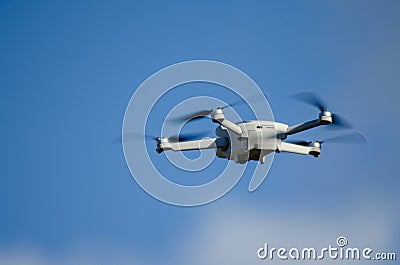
point(314, 150)
point(208, 143)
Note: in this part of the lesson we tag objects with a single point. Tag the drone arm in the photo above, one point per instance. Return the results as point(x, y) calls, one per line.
point(231, 126)
point(299, 149)
point(303, 126)
point(209, 143)
point(219, 117)
point(325, 118)
point(294, 148)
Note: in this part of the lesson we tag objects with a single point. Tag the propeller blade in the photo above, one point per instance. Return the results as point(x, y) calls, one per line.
point(242, 101)
point(134, 136)
point(339, 121)
point(355, 137)
point(309, 97)
point(187, 136)
point(350, 138)
point(193, 116)
point(204, 113)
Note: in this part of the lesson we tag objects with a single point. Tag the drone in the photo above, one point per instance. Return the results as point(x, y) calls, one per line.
point(253, 140)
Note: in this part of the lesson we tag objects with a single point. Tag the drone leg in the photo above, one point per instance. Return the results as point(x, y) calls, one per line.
point(208, 143)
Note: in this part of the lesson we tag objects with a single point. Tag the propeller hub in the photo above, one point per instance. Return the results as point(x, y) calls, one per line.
point(164, 140)
point(325, 113)
point(218, 111)
point(217, 115)
point(325, 117)
point(315, 148)
point(315, 144)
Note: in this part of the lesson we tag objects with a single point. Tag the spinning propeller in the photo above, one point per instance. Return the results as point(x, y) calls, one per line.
point(135, 136)
point(310, 98)
point(193, 116)
point(203, 114)
point(355, 138)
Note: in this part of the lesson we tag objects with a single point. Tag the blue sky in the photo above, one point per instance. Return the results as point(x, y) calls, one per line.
point(68, 70)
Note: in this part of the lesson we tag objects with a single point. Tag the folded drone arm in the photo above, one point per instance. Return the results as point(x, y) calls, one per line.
point(209, 143)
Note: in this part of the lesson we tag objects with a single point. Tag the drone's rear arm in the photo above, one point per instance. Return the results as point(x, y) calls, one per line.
point(299, 149)
point(303, 126)
point(325, 118)
point(219, 117)
point(294, 148)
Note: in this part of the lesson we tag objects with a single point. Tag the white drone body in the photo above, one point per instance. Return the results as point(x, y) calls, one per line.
point(253, 140)
point(250, 140)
